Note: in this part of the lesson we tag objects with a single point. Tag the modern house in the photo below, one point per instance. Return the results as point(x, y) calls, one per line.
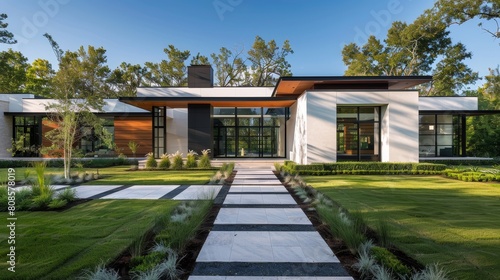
point(304, 119)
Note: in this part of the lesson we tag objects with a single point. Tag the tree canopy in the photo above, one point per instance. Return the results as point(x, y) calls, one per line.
point(6, 37)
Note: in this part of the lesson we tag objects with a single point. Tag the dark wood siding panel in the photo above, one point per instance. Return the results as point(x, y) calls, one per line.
point(136, 129)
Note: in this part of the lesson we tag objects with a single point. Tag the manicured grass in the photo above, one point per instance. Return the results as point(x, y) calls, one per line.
point(431, 218)
point(120, 175)
point(58, 245)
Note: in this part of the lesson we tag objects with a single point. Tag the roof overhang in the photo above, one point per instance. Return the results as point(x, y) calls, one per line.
point(295, 86)
point(148, 103)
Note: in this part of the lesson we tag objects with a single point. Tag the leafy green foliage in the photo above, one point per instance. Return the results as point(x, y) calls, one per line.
point(360, 168)
point(191, 160)
point(205, 159)
point(268, 62)
point(388, 260)
point(151, 161)
point(171, 72)
point(164, 162)
point(13, 66)
point(420, 48)
point(68, 194)
point(39, 78)
point(229, 67)
point(177, 161)
point(146, 262)
point(6, 37)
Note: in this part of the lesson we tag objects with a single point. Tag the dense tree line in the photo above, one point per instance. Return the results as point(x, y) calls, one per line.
point(263, 64)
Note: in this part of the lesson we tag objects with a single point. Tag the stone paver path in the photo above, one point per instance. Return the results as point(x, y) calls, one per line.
point(261, 233)
point(175, 192)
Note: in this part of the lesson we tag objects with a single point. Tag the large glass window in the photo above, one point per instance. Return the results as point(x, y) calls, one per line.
point(439, 135)
point(159, 131)
point(27, 131)
point(91, 144)
point(358, 133)
point(249, 132)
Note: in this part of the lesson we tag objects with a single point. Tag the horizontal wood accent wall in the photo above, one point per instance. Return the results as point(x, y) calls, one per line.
point(138, 129)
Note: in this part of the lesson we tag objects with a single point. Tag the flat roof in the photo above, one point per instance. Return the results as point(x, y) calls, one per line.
point(296, 85)
point(148, 103)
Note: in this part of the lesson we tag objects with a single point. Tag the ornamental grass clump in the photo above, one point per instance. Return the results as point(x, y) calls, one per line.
point(151, 161)
point(177, 162)
point(164, 162)
point(191, 159)
point(205, 159)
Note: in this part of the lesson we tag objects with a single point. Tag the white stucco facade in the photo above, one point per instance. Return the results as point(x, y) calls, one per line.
point(315, 124)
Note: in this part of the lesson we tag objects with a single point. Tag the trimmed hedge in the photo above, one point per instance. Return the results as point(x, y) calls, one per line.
point(471, 176)
point(87, 163)
point(364, 168)
point(389, 260)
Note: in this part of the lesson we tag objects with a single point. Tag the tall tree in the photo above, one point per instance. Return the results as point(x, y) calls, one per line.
point(79, 87)
point(422, 47)
point(460, 11)
point(6, 37)
point(199, 59)
point(229, 67)
point(13, 66)
point(171, 72)
point(39, 78)
point(126, 78)
point(268, 62)
point(483, 133)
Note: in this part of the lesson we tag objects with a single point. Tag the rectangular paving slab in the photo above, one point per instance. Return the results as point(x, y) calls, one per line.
point(237, 181)
point(195, 192)
point(257, 188)
point(266, 216)
point(89, 191)
point(235, 198)
point(265, 246)
point(142, 192)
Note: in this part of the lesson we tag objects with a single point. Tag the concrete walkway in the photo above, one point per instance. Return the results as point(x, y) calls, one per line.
point(175, 192)
point(261, 233)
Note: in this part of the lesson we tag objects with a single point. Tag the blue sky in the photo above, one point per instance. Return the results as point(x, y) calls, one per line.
point(138, 31)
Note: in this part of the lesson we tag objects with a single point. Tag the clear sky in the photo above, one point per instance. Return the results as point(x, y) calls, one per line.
point(138, 31)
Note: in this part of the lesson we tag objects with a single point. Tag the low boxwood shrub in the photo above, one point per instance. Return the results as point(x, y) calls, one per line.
point(365, 168)
point(388, 260)
point(146, 262)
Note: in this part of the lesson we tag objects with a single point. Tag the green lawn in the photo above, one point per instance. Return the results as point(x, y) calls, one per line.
point(433, 219)
point(58, 245)
point(119, 175)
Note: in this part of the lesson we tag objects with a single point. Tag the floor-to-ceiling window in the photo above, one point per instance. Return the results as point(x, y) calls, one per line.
point(91, 144)
point(250, 132)
point(440, 135)
point(358, 133)
point(27, 133)
point(159, 131)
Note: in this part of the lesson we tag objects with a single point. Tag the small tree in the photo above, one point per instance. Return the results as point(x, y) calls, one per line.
point(79, 89)
point(132, 145)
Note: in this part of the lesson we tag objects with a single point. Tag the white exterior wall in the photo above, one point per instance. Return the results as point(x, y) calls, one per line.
point(297, 130)
point(314, 135)
point(177, 131)
point(5, 130)
point(447, 103)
